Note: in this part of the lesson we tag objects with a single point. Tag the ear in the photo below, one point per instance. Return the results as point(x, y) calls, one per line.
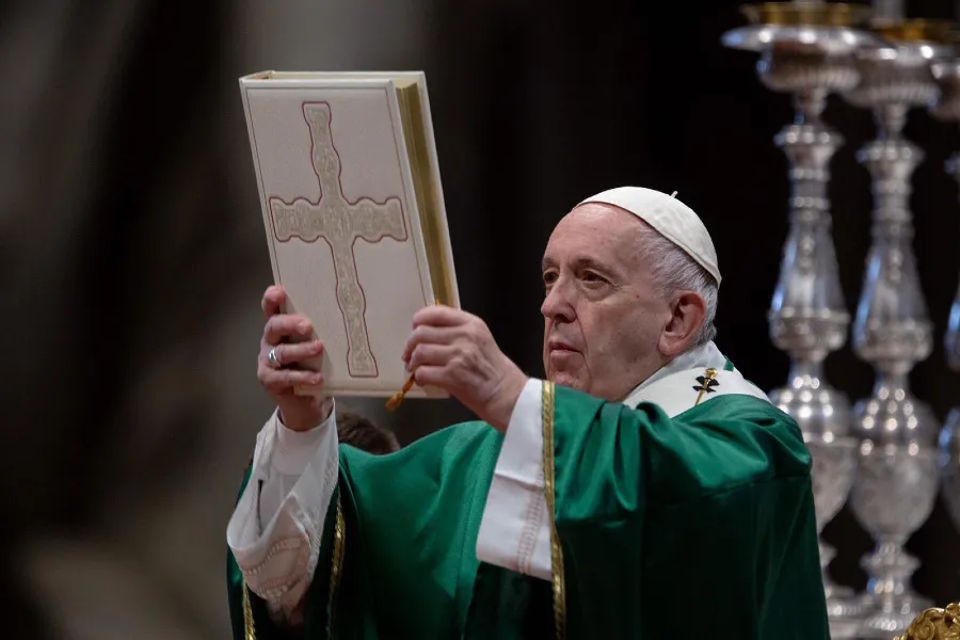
point(688, 312)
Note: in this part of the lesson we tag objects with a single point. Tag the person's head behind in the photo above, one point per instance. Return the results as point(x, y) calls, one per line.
point(621, 300)
point(358, 431)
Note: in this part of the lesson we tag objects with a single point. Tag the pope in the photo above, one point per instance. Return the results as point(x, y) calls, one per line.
point(644, 489)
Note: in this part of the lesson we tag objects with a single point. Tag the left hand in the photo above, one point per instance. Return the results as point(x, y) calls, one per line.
point(454, 350)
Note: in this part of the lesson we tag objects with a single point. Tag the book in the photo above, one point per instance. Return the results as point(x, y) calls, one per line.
point(350, 192)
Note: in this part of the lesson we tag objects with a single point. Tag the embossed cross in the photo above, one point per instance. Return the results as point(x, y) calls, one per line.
point(340, 223)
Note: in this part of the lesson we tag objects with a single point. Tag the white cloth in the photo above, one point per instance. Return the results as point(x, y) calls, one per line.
point(276, 527)
point(515, 527)
point(671, 218)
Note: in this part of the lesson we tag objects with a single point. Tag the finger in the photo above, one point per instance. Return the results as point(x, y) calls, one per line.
point(309, 390)
point(429, 334)
point(288, 354)
point(440, 315)
point(283, 380)
point(273, 299)
point(432, 376)
point(281, 327)
point(432, 355)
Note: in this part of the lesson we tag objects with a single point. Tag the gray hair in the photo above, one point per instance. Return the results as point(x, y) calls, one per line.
point(673, 270)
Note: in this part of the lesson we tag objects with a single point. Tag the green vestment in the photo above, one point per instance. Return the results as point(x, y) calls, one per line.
point(696, 526)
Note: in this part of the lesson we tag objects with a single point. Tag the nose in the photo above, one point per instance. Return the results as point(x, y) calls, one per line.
point(558, 305)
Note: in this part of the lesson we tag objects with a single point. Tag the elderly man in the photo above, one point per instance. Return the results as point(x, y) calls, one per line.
point(645, 489)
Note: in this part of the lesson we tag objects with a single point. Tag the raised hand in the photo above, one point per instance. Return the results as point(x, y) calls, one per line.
point(454, 350)
point(286, 344)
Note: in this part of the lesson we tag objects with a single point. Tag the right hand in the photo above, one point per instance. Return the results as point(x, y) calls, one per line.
point(291, 336)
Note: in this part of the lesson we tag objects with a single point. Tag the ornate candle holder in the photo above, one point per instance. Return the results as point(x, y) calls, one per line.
point(805, 50)
point(897, 479)
point(947, 107)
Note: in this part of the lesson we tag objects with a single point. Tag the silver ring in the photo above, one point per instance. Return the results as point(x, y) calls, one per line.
point(273, 359)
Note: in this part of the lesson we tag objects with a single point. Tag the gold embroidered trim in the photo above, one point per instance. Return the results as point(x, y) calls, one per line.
point(336, 568)
point(556, 552)
point(249, 631)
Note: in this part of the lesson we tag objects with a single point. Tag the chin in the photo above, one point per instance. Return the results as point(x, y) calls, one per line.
point(568, 380)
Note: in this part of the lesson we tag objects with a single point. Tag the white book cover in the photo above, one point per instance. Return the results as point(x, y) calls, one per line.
point(353, 213)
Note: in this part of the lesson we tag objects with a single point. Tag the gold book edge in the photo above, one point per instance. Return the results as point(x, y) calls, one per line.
point(427, 192)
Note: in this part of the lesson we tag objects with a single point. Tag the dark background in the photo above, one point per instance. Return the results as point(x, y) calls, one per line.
point(132, 254)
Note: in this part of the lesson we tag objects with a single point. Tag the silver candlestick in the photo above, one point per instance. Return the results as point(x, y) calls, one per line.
point(896, 483)
point(806, 51)
point(947, 107)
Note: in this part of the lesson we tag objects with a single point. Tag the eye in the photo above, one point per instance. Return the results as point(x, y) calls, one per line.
point(549, 277)
point(592, 278)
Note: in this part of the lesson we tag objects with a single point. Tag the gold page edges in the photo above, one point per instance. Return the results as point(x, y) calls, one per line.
point(427, 193)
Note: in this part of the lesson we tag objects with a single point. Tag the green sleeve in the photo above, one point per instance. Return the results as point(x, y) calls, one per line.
point(696, 525)
point(414, 516)
point(409, 524)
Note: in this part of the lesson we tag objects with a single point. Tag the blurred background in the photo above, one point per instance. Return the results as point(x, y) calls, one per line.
point(132, 253)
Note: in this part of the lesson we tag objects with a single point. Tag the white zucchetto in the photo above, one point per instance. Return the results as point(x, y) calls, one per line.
point(668, 216)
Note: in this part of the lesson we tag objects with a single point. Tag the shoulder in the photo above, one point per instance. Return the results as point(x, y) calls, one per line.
point(732, 443)
point(743, 407)
point(724, 406)
point(758, 426)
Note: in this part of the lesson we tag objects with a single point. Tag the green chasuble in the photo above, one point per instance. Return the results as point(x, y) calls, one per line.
point(696, 526)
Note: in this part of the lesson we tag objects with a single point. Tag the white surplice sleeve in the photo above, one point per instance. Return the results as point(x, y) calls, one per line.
point(515, 527)
point(276, 527)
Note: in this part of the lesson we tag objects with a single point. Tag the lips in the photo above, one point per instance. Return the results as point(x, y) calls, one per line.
point(560, 346)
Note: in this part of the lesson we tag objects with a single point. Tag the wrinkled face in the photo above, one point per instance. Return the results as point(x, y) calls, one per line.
point(603, 316)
